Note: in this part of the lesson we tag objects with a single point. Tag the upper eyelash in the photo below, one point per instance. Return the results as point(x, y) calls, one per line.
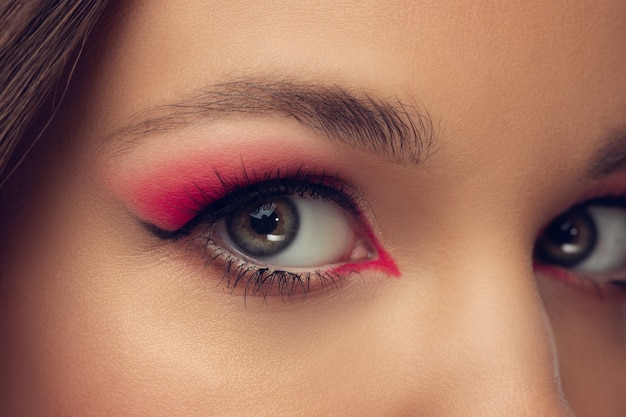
point(604, 194)
point(245, 189)
point(610, 199)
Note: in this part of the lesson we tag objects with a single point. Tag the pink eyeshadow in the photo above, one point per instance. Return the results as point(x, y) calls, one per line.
point(168, 192)
point(171, 205)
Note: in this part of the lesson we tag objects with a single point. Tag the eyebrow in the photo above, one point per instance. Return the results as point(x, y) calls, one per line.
point(399, 132)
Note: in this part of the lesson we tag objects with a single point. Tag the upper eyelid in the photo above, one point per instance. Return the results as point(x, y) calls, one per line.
point(235, 196)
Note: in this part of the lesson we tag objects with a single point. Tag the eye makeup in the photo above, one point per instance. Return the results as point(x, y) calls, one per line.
point(168, 190)
point(384, 262)
point(200, 192)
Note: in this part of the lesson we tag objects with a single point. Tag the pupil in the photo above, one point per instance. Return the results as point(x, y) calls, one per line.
point(264, 225)
point(264, 228)
point(568, 240)
point(566, 232)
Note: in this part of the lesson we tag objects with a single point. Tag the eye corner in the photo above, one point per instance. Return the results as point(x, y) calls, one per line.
point(378, 261)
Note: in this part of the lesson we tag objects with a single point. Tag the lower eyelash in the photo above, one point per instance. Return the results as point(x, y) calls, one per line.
point(254, 280)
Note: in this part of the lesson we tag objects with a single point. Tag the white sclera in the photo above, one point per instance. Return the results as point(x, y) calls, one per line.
point(609, 256)
point(325, 236)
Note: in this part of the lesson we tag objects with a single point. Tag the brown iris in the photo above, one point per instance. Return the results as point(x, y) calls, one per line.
point(265, 227)
point(568, 240)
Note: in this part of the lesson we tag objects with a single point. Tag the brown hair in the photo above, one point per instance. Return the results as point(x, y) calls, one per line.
point(40, 42)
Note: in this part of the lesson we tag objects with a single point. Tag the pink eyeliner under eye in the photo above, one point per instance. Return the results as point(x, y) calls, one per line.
point(383, 263)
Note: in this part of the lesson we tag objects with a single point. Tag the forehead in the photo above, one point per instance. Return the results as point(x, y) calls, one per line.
point(529, 86)
point(414, 45)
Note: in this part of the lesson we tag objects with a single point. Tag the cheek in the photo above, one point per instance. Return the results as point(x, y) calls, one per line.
point(88, 337)
point(590, 340)
point(83, 319)
point(148, 341)
point(97, 326)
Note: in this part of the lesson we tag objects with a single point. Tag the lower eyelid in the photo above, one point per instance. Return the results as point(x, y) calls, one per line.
point(602, 291)
point(247, 278)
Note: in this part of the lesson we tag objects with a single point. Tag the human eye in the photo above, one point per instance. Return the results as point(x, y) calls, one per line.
point(282, 235)
point(586, 246)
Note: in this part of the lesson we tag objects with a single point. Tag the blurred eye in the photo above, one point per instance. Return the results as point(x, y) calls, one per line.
point(293, 231)
point(589, 239)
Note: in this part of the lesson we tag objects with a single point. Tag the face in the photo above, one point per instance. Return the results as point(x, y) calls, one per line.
point(347, 208)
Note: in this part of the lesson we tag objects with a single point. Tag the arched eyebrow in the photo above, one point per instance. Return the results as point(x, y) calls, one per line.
point(396, 131)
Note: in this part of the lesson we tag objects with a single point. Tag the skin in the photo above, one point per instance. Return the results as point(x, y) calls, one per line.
point(100, 317)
